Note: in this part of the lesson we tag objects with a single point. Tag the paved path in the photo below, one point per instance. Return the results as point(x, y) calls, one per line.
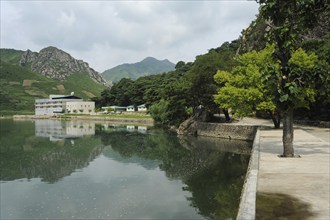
point(305, 179)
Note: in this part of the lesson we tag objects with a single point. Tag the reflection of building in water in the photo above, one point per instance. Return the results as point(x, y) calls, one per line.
point(59, 130)
point(130, 128)
point(121, 127)
point(142, 129)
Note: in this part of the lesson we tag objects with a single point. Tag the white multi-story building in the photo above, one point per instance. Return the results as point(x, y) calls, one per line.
point(58, 104)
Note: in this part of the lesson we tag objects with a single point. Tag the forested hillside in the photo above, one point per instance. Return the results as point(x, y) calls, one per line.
point(148, 66)
point(20, 86)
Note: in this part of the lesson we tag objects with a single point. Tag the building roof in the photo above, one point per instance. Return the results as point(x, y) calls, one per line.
point(67, 97)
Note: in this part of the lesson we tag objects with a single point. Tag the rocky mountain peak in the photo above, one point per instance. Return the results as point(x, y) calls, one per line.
point(57, 64)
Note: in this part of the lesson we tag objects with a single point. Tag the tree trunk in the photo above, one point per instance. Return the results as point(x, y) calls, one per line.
point(226, 113)
point(288, 133)
point(276, 118)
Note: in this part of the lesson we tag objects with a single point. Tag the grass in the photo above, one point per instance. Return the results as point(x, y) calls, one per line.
point(83, 86)
point(10, 113)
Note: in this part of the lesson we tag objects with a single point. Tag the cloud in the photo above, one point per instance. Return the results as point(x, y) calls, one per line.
point(109, 33)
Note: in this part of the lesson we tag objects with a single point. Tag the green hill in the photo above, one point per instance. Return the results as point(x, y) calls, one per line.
point(11, 56)
point(19, 86)
point(148, 66)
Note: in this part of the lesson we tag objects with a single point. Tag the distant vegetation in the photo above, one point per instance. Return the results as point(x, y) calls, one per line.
point(148, 66)
point(11, 56)
point(174, 96)
point(19, 86)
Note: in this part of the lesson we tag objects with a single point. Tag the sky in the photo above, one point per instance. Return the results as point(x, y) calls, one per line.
point(109, 33)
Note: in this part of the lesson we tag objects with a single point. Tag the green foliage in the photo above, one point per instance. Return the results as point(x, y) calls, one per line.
point(244, 90)
point(200, 76)
point(159, 111)
point(302, 59)
point(320, 76)
point(298, 87)
point(165, 90)
point(288, 20)
point(82, 85)
point(11, 56)
point(254, 84)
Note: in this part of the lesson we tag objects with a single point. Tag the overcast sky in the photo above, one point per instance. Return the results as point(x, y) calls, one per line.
point(109, 33)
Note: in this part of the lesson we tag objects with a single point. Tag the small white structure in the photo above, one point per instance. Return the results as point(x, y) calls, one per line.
point(130, 108)
point(107, 109)
point(59, 104)
point(142, 108)
point(130, 128)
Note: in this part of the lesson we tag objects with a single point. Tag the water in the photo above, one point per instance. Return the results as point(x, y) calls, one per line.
point(84, 170)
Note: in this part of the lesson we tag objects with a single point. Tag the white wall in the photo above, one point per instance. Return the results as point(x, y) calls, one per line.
point(80, 107)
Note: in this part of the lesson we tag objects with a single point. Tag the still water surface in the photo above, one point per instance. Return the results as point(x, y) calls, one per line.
point(85, 170)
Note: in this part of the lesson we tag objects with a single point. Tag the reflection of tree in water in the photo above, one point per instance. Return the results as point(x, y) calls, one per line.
point(214, 178)
point(51, 161)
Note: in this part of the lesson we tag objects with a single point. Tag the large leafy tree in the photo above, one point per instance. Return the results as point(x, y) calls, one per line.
point(251, 85)
point(244, 89)
point(201, 84)
point(287, 21)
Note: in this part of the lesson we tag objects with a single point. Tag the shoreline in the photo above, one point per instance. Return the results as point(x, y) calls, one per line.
point(147, 121)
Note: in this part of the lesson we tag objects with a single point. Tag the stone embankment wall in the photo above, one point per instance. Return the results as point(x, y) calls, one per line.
point(219, 130)
point(229, 131)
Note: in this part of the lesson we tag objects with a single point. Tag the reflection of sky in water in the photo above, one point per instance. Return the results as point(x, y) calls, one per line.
point(105, 189)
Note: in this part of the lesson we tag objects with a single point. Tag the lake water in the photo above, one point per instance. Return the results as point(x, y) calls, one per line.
point(84, 170)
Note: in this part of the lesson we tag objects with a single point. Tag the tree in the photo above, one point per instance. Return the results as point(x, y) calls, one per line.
point(119, 94)
point(244, 90)
point(287, 21)
point(200, 77)
point(321, 47)
point(173, 107)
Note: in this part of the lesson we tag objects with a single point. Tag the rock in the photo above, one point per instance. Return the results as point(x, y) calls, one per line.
point(57, 64)
point(28, 57)
point(189, 126)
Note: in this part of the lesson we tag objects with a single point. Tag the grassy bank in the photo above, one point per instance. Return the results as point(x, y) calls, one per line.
point(117, 118)
point(13, 112)
point(110, 115)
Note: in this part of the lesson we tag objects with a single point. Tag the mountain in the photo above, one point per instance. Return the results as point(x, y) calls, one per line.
point(148, 66)
point(27, 75)
point(57, 64)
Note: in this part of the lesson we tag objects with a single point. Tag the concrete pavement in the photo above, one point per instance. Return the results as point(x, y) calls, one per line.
point(303, 180)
